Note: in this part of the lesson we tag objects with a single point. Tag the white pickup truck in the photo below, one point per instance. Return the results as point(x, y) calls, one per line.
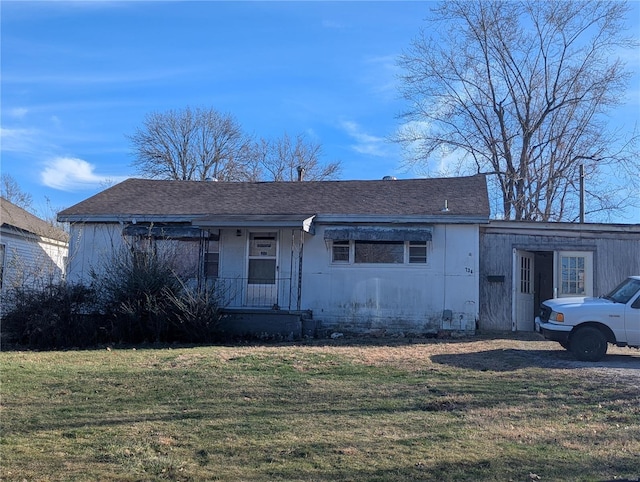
point(585, 326)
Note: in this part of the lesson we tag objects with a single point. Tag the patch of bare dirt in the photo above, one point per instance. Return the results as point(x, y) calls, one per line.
point(492, 352)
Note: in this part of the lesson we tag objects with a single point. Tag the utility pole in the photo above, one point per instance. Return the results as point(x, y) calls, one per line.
point(581, 193)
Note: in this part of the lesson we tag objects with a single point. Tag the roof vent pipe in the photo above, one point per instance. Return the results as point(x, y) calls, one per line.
point(389, 178)
point(445, 209)
point(300, 173)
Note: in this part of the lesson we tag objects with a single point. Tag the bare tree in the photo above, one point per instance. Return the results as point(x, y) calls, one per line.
point(519, 90)
point(191, 144)
point(279, 160)
point(11, 191)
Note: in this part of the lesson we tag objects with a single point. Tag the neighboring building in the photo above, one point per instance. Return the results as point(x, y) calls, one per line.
point(352, 256)
point(32, 251)
point(525, 263)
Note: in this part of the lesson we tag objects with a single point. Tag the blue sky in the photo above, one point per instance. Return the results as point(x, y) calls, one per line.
point(77, 77)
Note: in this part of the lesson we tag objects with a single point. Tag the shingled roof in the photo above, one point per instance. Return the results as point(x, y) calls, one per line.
point(14, 217)
point(466, 196)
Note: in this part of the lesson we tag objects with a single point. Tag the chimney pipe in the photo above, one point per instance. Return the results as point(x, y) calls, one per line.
point(300, 173)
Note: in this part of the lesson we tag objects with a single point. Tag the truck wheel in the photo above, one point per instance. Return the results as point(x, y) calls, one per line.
point(565, 344)
point(588, 344)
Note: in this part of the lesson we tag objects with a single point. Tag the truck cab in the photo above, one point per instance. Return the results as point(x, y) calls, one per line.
point(586, 326)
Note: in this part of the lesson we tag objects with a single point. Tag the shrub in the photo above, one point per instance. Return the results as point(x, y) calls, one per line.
point(145, 300)
point(57, 315)
point(137, 297)
point(196, 314)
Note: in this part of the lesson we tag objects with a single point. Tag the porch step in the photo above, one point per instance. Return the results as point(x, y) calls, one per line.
point(268, 324)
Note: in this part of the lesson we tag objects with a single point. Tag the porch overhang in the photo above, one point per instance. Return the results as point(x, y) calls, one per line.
point(301, 221)
point(163, 232)
point(378, 234)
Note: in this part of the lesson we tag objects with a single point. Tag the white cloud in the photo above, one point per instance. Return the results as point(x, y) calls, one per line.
point(365, 143)
point(18, 112)
point(381, 75)
point(17, 140)
point(72, 174)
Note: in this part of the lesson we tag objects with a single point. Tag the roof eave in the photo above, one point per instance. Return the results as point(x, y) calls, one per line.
point(401, 219)
point(126, 218)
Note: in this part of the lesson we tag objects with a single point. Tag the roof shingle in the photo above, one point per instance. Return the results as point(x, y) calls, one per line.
point(466, 196)
point(18, 218)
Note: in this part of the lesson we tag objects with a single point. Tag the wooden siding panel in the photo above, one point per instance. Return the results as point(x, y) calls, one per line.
point(30, 261)
point(616, 255)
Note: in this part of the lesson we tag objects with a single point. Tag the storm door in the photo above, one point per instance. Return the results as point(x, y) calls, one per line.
point(262, 288)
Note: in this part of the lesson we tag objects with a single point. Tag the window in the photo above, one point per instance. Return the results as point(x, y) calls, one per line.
point(417, 252)
point(525, 275)
point(573, 275)
point(212, 259)
point(340, 252)
point(378, 252)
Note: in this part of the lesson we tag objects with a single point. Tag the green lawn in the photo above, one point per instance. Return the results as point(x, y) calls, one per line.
point(459, 410)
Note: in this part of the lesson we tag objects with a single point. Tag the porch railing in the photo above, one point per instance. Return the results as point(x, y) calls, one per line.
point(239, 293)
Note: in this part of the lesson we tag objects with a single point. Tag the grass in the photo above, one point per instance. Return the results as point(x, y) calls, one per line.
point(458, 410)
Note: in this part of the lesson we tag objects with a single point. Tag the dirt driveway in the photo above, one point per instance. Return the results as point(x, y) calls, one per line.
point(503, 352)
point(509, 352)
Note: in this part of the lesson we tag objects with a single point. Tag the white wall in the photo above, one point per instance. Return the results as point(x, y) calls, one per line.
point(407, 297)
point(32, 261)
point(92, 246)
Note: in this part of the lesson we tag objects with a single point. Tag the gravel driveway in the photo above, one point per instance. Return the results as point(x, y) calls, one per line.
point(620, 364)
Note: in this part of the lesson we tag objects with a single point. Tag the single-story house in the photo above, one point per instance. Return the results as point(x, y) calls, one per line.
point(525, 263)
point(394, 256)
point(32, 251)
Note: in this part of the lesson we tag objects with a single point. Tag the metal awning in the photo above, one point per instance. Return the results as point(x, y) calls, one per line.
point(302, 221)
point(166, 232)
point(378, 234)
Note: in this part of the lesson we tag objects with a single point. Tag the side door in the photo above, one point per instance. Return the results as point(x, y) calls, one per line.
point(524, 313)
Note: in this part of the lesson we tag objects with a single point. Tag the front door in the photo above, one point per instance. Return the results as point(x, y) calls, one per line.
point(262, 289)
point(524, 313)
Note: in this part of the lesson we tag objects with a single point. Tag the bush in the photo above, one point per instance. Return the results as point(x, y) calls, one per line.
point(133, 290)
point(55, 316)
point(147, 301)
point(196, 315)
point(136, 298)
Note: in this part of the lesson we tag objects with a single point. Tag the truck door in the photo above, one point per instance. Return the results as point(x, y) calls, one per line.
point(632, 321)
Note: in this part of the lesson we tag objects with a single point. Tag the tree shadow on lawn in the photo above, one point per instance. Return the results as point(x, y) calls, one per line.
point(511, 359)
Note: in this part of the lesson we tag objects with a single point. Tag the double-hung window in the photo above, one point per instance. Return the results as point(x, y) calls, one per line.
point(212, 259)
point(340, 252)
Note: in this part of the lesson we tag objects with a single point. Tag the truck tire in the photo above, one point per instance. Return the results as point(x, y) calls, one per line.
point(589, 344)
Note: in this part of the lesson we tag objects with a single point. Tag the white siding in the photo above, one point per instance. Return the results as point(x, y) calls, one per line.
point(31, 261)
point(92, 246)
point(361, 298)
point(403, 297)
